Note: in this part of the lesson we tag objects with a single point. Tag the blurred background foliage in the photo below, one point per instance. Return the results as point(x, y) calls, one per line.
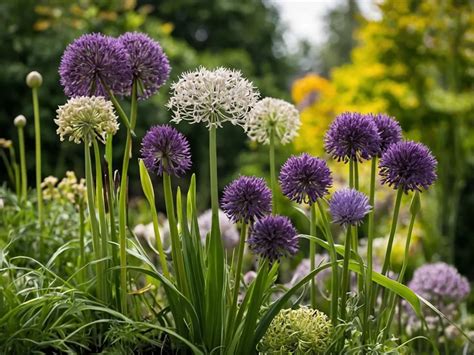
point(416, 63)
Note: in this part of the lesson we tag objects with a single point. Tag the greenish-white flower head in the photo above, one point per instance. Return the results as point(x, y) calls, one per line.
point(297, 331)
point(212, 97)
point(273, 116)
point(84, 118)
point(20, 121)
point(34, 79)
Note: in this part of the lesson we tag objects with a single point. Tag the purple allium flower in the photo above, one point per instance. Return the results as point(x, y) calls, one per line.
point(408, 165)
point(150, 65)
point(90, 61)
point(443, 286)
point(229, 233)
point(246, 198)
point(305, 178)
point(389, 130)
point(273, 237)
point(166, 149)
point(352, 136)
point(349, 207)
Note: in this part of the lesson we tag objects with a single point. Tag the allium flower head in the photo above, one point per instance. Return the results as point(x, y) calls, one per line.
point(91, 61)
point(212, 97)
point(150, 65)
point(246, 198)
point(229, 234)
point(297, 331)
point(273, 115)
point(166, 149)
point(408, 165)
point(305, 178)
point(389, 130)
point(352, 136)
point(273, 237)
point(349, 207)
point(440, 282)
point(83, 119)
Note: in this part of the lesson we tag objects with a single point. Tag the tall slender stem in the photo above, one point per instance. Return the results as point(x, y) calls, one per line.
point(237, 277)
point(176, 247)
point(16, 170)
point(123, 202)
point(82, 251)
point(39, 193)
point(24, 179)
point(273, 184)
point(393, 229)
point(213, 177)
point(93, 219)
point(101, 209)
point(345, 272)
point(159, 244)
point(334, 267)
point(370, 240)
point(312, 253)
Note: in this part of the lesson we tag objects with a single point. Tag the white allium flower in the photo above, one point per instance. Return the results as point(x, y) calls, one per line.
point(85, 118)
point(273, 114)
point(212, 97)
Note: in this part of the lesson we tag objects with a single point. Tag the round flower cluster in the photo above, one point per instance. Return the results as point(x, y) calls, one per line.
point(352, 136)
point(229, 233)
point(408, 165)
point(273, 237)
point(166, 149)
point(212, 97)
point(273, 116)
point(95, 64)
point(297, 331)
point(305, 178)
point(389, 130)
point(349, 207)
point(84, 119)
point(246, 199)
point(150, 66)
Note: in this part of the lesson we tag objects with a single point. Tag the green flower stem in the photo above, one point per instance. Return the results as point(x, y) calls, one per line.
point(93, 219)
point(351, 173)
point(176, 247)
point(354, 171)
point(123, 201)
point(334, 268)
point(370, 240)
point(101, 209)
point(213, 178)
point(345, 272)
point(356, 174)
point(273, 183)
point(82, 251)
point(123, 116)
point(16, 170)
point(393, 297)
point(24, 181)
point(112, 208)
point(8, 166)
point(312, 253)
point(39, 193)
point(237, 278)
point(159, 244)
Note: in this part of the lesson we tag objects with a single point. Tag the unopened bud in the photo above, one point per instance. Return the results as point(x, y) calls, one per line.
point(20, 121)
point(34, 79)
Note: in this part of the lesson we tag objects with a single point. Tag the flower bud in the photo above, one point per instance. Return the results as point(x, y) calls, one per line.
point(19, 121)
point(34, 79)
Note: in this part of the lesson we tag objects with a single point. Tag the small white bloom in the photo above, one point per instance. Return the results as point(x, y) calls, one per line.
point(85, 118)
point(19, 121)
point(34, 79)
point(212, 97)
point(274, 115)
point(2, 204)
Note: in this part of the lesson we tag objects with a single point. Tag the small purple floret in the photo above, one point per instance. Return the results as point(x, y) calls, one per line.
point(408, 165)
point(166, 149)
point(349, 207)
point(305, 178)
point(91, 61)
point(352, 136)
point(247, 198)
point(273, 237)
point(389, 130)
point(150, 65)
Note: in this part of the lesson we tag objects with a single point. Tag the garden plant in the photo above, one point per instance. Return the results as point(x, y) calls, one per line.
point(211, 283)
